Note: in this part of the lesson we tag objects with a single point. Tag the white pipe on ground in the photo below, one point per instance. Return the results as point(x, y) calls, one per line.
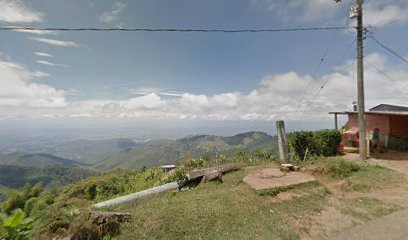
point(138, 195)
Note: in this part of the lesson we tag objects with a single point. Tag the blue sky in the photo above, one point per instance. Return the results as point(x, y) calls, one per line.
point(194, 76)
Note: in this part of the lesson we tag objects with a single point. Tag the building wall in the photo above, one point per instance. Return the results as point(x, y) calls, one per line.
point(399, 125)
point(393, 129)
point(381, 122)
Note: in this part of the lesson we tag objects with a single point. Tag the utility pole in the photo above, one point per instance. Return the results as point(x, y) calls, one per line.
point(282, 142)
point(357, 11)
point(360, 82)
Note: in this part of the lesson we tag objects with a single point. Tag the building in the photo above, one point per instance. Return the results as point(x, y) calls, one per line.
point(391, 120)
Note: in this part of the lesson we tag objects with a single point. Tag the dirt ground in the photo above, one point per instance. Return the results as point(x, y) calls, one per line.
point(333, 222)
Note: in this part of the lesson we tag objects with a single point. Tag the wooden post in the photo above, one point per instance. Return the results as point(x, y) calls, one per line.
point(283, 142)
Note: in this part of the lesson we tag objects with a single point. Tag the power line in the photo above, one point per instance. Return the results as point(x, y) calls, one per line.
point(388, 49)
point(312, 79)
point(387, 76)
point(325, 82)
point(81, 29)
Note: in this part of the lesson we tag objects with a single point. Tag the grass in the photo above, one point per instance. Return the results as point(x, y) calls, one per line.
point(302, 186)
point(356, 176)
point(367, 208)
point(228, 210)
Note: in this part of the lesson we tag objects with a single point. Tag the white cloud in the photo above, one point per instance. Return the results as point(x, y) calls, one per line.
point(377, 13)
point(150, 101)
point(18, 92)
point(299, 10)
point(40, 74)
point(47, 63)
point(381, 13)
point(55, 42)
point(112, 15)
point(42, 54)
point(37, 32)
point(276, 97)
point(15, 11)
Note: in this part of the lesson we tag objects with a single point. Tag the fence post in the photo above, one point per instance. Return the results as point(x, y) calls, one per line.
point(282, 142)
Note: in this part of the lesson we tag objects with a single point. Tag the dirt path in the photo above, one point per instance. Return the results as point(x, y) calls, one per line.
point(390, 227)
point(333, 223)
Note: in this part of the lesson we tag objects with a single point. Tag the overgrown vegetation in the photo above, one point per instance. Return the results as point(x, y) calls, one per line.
point(217, 210)
point(16, 226)
point(66, 211)
point(20, 209)
point(314, 143)
point(240, 156)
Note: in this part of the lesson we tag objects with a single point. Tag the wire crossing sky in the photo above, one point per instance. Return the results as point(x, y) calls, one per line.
point(233, 61)
point(82, 29)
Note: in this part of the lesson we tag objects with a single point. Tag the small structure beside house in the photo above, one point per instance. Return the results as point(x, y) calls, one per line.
point(168, 168)
point(391, 120)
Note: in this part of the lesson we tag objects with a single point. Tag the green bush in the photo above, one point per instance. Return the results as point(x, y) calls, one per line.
point(301, 142)
point(309, 143)
point(327, 141)
point(16, 226)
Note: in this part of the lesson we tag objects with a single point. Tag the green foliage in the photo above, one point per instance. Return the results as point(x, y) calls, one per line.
point(17, 176)
point(310, 143)
point(17, 199)
point(202, 146)
point(112, 184)
point(301, 142)
point(327, 141)
point(197, 163)
point(16, 226)
point(262, 154)
point(177, 174)
point(342, 169)
point(399, 143)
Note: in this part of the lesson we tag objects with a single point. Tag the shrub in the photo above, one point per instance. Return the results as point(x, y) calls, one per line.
point(321, 143)
point(301, 142)
point(326, 142)
point(262, 154)
point(16, 226)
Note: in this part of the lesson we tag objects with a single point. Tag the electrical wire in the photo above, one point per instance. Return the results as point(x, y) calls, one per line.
point(312, 79)
point(325, 82)
point(387, 76)
point(388, 49)
point(26, 28)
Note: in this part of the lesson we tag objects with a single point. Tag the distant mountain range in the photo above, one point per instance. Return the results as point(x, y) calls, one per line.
point(37, 160)
point(17, 176)
point(169, 152)
point(66, 162)
point(81, 150)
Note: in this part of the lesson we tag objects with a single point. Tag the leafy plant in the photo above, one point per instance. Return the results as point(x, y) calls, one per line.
point(309, 143)
point(16, 226)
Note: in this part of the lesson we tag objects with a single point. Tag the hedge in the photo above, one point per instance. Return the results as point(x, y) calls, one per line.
point(320, 143)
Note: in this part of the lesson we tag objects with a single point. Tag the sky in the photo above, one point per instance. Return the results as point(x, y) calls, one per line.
point(246, 79)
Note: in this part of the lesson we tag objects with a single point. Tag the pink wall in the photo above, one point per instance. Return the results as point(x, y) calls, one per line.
point(373, 121)
point(399, 125)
